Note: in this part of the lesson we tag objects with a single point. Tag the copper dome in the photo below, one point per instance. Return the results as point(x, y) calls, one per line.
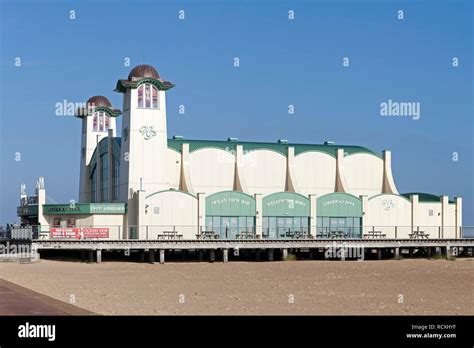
point(99, 100)
point(142, 71)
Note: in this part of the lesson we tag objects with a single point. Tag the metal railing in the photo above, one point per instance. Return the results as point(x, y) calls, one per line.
point(190, 232)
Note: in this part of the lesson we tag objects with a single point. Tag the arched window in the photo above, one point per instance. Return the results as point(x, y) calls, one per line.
point(101, 122)
point(147, 96)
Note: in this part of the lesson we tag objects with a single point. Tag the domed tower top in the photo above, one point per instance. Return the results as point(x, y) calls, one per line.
point(140, 74)
point(142, 71)
point(97, 103)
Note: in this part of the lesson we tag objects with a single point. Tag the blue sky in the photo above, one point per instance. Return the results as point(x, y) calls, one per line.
point(282, 62)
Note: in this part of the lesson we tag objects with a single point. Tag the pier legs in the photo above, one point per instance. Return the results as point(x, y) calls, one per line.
point(284, 254)
point(212, 255)
point(162, 256)
point(99, 255)
point(397, 253)
point(379, 254)
point(270, 254)
point(142, 255)
point(225, 255)
point(428, 252)
point(151, 256)
point(200, 255)
point(91, 255)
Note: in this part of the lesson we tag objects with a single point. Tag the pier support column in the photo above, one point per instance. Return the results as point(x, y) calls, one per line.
point(258, 254)
point(428, 252)
point(379, 254)
point(83, 255)
point(270, 254)
point(151, 256)
point(162, 256)
point(99, 255)
point(225, 255)
point(142, 255)
point(397, 253)
point(448, 251)
point(91, 255)
point(212, 255)
point(200, 255)
point(284, 254)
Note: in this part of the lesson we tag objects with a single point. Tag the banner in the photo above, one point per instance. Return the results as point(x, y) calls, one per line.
point(79, 233)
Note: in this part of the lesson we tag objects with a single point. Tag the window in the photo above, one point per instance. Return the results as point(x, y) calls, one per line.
point(100, 122)
point(94, 186)
point(147, 96)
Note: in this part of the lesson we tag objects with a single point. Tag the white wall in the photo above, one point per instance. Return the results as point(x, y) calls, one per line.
point(175, 209)
point(315, 173)
point(429, 224)
point(386, 211)
point(211, 170)
point(264, 172)
point(363, 174)
point(173, 167)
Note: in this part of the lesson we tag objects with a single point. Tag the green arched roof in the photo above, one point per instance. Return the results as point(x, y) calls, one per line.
point(424, 197)
point(282, 148)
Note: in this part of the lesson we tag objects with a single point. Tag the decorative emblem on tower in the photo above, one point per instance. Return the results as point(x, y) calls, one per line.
point(125, 134)
point(147, 132)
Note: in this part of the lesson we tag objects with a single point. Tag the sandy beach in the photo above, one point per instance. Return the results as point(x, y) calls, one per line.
point(405, 287)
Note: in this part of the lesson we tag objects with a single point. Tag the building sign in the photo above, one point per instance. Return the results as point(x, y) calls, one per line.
point(79, 232)
point(230, 203)
point(84, 208)
point(286, 204)
point(339, 205)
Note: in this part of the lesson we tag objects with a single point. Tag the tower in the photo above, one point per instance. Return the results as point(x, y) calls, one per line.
point(144, 136)
point(98, 117)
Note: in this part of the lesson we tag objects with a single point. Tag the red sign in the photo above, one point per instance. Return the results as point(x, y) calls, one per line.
point(79, 233)
point(95, 232)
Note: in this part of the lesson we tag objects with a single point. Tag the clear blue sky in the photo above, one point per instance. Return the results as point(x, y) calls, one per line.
point(282, 62)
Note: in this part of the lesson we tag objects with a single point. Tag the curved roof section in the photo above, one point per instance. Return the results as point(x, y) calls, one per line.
point(425, 197)
point(141, 71)
point(103, 148)
point(143, 74)
point(281, 148)
point(97, 103)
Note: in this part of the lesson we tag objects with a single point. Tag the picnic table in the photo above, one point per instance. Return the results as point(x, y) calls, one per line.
point(245, 235)
point(418, 235)
point(375, 234)
point(170, 235)
point(208, 235)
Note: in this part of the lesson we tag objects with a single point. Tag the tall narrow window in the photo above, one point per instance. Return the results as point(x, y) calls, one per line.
point(140, 96)
point(148, 96)
point(101, 122)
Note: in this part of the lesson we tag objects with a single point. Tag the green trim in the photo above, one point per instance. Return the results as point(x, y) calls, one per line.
point(123, 85)
point(425, 197)
point(84, 208)
point(194, 145)
point(287, 204)
point(27, 210)
point(170, 190)
point(338, 204)
point(389, 194)
point(230, 203)
point(108, 110)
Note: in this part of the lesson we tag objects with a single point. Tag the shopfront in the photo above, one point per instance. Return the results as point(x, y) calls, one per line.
point(285, 215)
point(339, 215)
point(230, 215)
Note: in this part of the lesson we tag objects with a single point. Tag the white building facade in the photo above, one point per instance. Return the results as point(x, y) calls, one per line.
point(144, 185)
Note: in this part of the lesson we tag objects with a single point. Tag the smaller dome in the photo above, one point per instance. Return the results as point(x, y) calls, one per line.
point(99, 100)
point(142, 71)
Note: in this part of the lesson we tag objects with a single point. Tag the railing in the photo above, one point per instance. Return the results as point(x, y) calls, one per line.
point(191, 232)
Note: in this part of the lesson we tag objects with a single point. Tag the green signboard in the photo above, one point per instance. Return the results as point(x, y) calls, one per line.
point(339, 205)
point(286, 204)
point(230, 203)
point(84, 208)
point(27, 210)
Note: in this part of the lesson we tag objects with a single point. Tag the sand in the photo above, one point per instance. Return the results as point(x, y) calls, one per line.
point(405, 287)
